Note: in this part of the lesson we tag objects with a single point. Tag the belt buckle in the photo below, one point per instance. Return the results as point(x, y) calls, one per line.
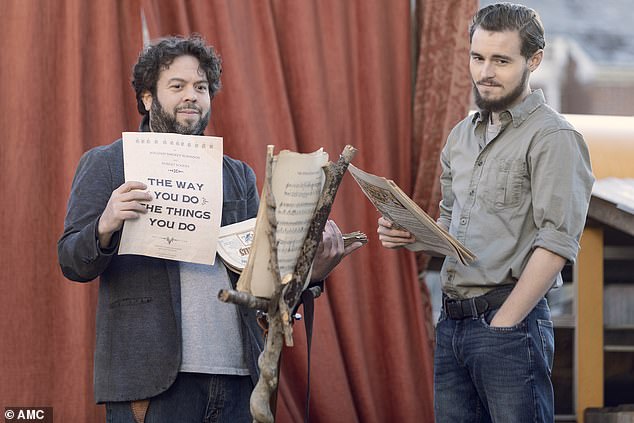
point(461, 309)
point(486, 306)
point(473, 307)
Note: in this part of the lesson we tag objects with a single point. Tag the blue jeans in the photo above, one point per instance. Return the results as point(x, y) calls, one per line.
point(494, 374)
point(194, 398)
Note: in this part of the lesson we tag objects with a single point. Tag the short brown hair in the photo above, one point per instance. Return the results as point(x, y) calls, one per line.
point(512, 17)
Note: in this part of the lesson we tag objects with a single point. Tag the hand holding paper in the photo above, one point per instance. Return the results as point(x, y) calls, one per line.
point(331, 251)
point(124, 204)
point(391, 236)
point(183, 174)
point(401, 212)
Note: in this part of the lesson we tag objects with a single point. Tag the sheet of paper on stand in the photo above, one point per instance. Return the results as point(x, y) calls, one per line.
point(297, 181)
point(234, 243)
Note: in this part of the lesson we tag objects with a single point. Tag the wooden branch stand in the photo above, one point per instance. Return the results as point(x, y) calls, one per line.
point(288, 289)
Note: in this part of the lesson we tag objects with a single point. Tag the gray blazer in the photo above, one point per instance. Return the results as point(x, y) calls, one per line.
point(138, 346)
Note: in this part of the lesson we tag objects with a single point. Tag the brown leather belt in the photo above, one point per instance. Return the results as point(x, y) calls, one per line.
point(476, 306)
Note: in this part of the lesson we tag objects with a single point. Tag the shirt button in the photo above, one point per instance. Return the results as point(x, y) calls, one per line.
point(480, 163)
point(471, 193)
point(463, 221)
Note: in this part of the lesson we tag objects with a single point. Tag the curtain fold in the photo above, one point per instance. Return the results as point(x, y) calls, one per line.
point(64, 90)
point(302, 75)
point(442, 91)
point(297, 74)
point(441, 98)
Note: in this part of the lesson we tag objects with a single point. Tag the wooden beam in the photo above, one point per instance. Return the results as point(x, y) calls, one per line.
point(588, 355)
point(609, 214)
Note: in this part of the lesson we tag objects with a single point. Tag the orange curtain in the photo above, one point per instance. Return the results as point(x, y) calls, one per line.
point(64, 89)
point(442, 91)
point(441, 99)
point(302, 75)
point(297, 74)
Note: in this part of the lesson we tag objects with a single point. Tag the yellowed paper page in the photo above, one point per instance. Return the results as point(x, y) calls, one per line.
point(297, 182)
point(184, 176)
point(396, 206)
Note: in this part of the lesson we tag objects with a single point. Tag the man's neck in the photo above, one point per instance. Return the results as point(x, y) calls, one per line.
point(494, 118)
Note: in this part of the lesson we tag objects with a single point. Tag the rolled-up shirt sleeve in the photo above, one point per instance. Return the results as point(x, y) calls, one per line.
point(561, 184)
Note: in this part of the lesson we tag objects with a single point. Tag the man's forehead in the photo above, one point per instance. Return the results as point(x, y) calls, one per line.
point(503, 42)
point(183, 67)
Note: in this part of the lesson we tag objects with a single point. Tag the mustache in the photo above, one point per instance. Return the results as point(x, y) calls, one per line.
point(189, 106)
point(489, 82)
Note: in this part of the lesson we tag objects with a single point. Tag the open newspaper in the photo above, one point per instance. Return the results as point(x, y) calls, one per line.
point(397, 207)
point(297, 181)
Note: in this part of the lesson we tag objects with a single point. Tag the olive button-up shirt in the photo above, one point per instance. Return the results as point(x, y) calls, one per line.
point(527, 187)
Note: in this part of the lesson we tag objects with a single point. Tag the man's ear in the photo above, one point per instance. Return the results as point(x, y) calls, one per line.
point(147, 98)
point(535, 60)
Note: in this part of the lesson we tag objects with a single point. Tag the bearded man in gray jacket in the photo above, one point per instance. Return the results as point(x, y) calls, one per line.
point(167, 350)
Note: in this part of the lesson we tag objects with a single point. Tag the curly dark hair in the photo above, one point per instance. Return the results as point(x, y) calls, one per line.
point(160, 54)
point(512, 17)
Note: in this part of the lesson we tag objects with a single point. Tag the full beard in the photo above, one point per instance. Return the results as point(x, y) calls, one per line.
point(502, 103)
point(162, 121)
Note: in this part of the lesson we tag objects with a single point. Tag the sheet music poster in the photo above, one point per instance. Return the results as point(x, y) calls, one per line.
point(184, 176)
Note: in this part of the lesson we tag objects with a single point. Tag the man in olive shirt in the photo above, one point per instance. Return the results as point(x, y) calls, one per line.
point(516, 183)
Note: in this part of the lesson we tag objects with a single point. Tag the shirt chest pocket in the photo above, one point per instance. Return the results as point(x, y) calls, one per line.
point(510, 179)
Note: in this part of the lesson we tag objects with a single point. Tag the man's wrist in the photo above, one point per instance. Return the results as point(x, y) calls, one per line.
point(104, 239)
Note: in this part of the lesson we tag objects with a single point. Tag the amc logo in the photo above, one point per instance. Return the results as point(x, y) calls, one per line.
point(29, 414)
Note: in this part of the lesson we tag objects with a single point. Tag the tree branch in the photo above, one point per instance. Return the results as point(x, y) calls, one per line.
point(243, 299)
point(287, 288)
point(334, 175)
